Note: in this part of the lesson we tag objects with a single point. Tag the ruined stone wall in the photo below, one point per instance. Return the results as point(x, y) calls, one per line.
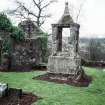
point(26, 54)
point(4, 34)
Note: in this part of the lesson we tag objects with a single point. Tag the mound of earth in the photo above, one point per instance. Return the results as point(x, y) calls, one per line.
point(84, 81)
point(14, 99)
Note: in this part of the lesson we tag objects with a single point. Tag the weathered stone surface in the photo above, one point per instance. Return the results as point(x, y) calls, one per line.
point(64, 65)
point(3, 34)
point(66, 18)
point(27, 53)
point(30, 28)
point(3, 88)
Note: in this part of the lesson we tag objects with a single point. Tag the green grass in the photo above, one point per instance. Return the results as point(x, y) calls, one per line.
point(59, 94)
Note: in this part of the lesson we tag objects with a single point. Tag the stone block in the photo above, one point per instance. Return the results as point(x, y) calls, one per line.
point(3, 89)
point(63, 65)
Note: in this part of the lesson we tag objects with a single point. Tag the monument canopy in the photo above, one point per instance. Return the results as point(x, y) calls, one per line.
point(66, 18)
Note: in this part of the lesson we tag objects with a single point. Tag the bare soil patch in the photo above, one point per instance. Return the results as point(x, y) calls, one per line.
point(84, 81)
point(14, 98)
point(23, 69)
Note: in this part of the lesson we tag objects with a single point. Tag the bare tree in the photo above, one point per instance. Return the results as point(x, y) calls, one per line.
point(79, 10)
point(76, 11)
point(95, 50)
point(38, 12)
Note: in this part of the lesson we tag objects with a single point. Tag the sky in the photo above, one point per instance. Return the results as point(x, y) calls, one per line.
point(91, 19)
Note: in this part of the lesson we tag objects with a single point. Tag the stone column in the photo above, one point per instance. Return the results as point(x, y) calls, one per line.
point(54, 39)
point(77, 36)
point(74, 31)
point(59, 39)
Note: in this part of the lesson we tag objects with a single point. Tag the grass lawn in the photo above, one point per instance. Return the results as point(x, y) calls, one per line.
point(59, 94)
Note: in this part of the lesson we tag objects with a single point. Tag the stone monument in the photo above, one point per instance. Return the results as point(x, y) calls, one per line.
point(65, 61)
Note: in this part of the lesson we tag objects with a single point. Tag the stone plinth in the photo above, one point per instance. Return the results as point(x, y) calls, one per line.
point(64, 65)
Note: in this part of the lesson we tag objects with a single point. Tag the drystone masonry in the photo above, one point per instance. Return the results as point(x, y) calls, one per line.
point(26, 54)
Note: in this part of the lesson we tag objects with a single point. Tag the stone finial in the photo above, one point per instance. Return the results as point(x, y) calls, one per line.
point(66, 18)
point(66, 11)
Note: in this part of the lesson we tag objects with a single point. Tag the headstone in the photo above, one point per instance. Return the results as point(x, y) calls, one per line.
point(3, 89)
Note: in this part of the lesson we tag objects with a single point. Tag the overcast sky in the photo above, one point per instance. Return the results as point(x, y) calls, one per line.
point(92, 17)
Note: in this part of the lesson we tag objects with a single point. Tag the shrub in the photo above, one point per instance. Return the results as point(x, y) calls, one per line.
point(17, 34)
point(6, 46)
point(5, 23)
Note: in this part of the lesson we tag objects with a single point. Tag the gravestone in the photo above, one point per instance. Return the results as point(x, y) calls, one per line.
point(65, 61)
point(3, 89)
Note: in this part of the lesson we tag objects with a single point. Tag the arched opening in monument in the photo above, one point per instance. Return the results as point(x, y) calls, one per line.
point(65, 38)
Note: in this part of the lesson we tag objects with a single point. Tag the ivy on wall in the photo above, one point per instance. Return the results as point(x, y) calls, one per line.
point(17, 34)
point(5, 23)
point(14, 32)
point(44, 41)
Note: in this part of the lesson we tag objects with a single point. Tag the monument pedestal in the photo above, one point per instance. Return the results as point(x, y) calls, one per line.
point(64, 65)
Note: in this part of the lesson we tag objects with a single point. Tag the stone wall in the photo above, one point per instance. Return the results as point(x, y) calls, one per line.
point(30, 28)
point(26, 54)
point(3, 34)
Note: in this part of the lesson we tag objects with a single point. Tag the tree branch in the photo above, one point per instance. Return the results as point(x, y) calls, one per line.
point(22, 6)
point(45, 6)
point(39, 15)
point(36, 4)
point(79, 10)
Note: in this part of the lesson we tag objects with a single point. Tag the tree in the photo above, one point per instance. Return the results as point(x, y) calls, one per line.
point(5, 23)
point(76, 11)
point(79, 10)
point(38, 12)
point(13, 32)
point(95, 50)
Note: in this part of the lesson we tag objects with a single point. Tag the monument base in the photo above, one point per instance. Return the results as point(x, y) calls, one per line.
point(80, 81)
point(64, 65)
point(65, 68)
